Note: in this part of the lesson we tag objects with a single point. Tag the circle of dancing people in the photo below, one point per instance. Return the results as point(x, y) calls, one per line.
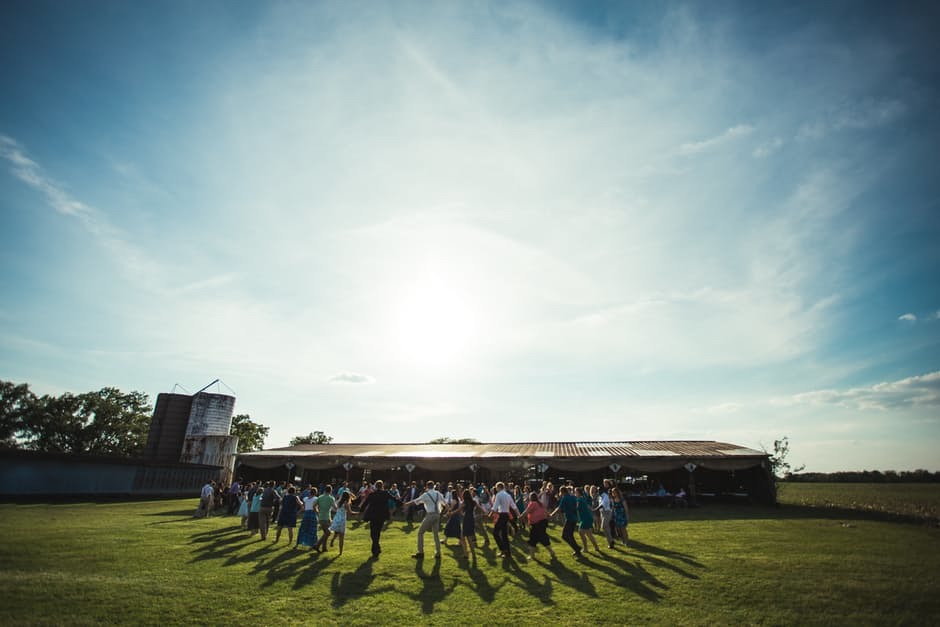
point(460, 511)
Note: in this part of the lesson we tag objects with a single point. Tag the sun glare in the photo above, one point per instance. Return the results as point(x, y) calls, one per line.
point(435, 324)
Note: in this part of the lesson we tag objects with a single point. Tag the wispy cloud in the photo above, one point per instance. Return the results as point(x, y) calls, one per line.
point(859, 115)
point(95, 222)
point(598, 233)
point(209, 283)
point(767, 148)
point(343, 378)
point(867, 114)
point(724, 408)
point(927, 318)
point(29, 172)
point(918, 391)
point(430, 413)
point(690, 329)
point(735, 132)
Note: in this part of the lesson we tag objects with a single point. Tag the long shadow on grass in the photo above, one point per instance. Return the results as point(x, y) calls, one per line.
point(208, 536)
point(171, 522)
point(541, 591)
point(227, 545)
point(218, 543)
point(631, 577)
point(348, 586)
point(433, 590)
point(478, 580)
point(283, 565)
point(311, 569)
point(577, 580)
point(759, 512)
point(648, 551)
point(612, 566)
point(224, 547)
point(186, 517)
point(176, 512)
point(844, 513)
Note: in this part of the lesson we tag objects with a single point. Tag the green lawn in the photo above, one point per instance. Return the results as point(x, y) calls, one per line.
point(914, 500)
point(151, 563)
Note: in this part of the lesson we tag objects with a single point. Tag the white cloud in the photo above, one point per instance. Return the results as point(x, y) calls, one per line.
point(128, 257)
point(868, 114)
point(210, 283)
point(859, 115)
point(29, 172)
point(767, 303)
point(686, 330)
point(810, 131)
point(724, 408)
point(431, 413)
point(908, 317)
point(735, 132)
point(917, 391)
point(555, 182)
point(342, 378)
point(768, 148)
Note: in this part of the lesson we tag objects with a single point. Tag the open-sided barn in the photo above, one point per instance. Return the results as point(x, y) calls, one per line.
point(705, 468)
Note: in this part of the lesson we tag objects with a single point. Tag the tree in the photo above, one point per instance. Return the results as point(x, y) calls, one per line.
point(314, 437)
point(16, 402)
point(250, 434)
point(106, 422)
point(779, 466)
point(454, 441)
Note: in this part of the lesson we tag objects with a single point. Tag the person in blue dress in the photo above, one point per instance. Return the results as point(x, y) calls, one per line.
point(454, 522)
point(307, 536)
point(287, 517)
point(468, 538)
point(338, 526)
point(621, 513)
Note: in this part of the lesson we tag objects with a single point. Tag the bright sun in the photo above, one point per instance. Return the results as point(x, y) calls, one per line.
point(434, 324)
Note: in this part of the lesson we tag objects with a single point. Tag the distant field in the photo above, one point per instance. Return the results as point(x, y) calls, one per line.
point(152, 563)
point(918, 500)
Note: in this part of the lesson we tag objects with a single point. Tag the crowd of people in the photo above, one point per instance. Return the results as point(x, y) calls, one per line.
point(456, 511)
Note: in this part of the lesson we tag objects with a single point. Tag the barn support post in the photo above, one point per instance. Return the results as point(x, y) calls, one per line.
point(691, 468)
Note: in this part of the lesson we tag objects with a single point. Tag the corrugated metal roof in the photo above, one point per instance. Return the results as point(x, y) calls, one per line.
point(663, 448)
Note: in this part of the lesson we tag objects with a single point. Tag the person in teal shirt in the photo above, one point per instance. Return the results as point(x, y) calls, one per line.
point(568, 505)
point(586, 518)
point(254, 513)
point(325, 506)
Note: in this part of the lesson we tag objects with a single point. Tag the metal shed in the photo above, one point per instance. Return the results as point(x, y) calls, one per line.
point(706, 467)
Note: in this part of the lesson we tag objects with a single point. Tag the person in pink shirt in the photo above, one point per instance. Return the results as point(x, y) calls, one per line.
point(538, 526)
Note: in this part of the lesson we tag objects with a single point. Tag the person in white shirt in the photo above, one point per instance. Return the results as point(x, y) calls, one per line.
point(606, 512)
point(503, 505)
point(433, 501)
point(207, 498)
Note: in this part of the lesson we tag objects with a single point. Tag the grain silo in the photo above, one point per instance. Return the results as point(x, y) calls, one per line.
point(211, 414)
point(194, 429)
point(168, 427)
point(208, 439)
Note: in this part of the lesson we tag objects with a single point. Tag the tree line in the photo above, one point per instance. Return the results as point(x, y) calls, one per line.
point(866, 476)
point(105, 422)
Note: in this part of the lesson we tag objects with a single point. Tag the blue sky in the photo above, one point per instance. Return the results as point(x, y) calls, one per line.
point(507, 221)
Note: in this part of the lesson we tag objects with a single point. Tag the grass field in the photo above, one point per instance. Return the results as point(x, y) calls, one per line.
point(151, 563)
point(913, 500)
